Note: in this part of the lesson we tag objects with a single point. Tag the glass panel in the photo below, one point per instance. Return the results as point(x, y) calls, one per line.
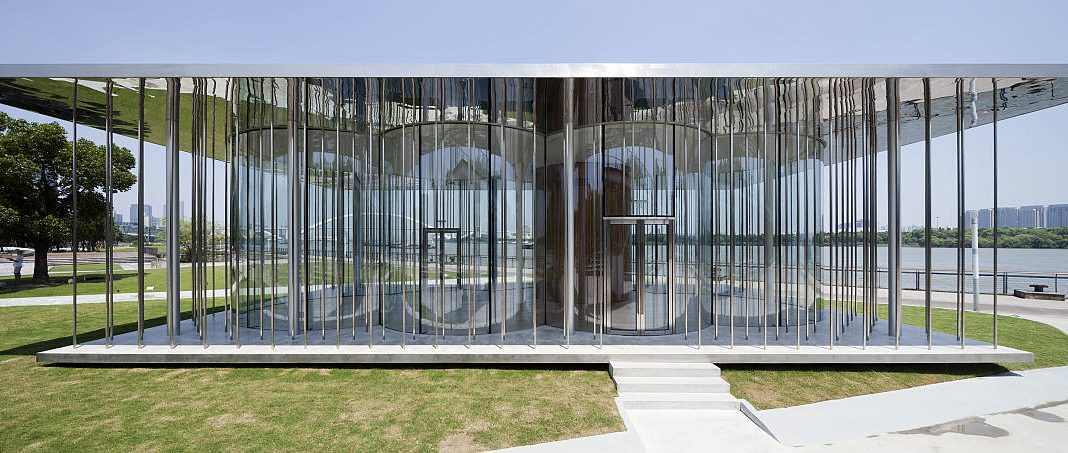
point(656, 284)
point(622, 266)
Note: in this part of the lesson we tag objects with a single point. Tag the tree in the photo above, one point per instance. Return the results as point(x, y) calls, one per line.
point(185, 240)
point(35, 186)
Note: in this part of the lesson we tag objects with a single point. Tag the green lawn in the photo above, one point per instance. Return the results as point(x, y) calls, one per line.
point(66, 269)
point(775, 386)
point(383, 408)
point(55, 408)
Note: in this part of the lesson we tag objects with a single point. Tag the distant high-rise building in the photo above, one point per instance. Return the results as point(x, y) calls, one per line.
point(181, 210)
point(1033, 216)
point(1008, 217)
point(986, 217)
point(1057, 216)
point(133, 212)
point(118, 218)
point(969, 217)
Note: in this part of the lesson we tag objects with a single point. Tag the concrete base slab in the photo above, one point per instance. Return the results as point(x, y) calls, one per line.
point(489, 354)
point(868, 415)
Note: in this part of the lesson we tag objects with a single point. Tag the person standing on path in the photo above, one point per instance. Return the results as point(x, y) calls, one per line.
point(18, 267)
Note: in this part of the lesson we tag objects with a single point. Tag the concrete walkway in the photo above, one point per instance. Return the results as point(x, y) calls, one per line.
point(928, 405)
point(1040, 428)
point(1010, 412)
point(95, 298)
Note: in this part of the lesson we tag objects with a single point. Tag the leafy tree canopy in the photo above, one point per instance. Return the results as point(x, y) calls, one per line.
point(35, 186)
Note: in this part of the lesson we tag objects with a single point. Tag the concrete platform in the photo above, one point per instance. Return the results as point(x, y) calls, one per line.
point(519, 347)
point(518, 354)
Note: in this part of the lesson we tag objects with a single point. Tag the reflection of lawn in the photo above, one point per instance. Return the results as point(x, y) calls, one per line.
point(125, 107)
point(58, 408)
point(772, 386)
point(124, 282)
point(91, 282)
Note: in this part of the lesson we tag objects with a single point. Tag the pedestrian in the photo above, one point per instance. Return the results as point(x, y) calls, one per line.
point(18, 267)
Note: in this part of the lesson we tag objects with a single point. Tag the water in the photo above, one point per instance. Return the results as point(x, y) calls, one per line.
point(1011, 260)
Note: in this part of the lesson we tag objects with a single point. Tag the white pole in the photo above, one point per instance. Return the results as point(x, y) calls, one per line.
point(975, 262)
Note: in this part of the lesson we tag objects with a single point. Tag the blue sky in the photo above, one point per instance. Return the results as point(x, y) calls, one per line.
point(901, 31)
point(468, 31)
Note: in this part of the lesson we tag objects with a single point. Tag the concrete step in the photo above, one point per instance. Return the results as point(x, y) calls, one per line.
point(655, 369)
point(679, 401)
point(671, 385)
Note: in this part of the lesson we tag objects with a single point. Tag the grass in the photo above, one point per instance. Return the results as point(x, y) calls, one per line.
point(67, 269)
point(57, 408)
point(774, 386)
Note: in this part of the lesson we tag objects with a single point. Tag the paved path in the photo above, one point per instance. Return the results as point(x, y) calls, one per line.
point(1012, 412)
point(1032, 429)
point(94, 298)
point(867, 415)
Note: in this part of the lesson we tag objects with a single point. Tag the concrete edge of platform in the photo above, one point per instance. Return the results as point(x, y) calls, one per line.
point(753, 414)
point(95, 354)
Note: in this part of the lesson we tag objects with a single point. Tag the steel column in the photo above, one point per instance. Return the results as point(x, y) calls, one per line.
point(893, 207)
point(569, 215)
point(174, 308)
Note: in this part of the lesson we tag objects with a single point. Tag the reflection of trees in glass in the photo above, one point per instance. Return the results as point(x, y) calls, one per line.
point(211, 236)
point(35, 188)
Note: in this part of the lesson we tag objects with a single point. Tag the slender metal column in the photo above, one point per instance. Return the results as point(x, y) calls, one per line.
point(109, 222)
point(731, 206)
point(961, 182)
point(339, 272)
point(258, 220)
point(230, 211)
point(994, 213)
point(768, 213)
point(321, 229)
point(293, 212)
point(274, 207)
point(960, 211)
point(357, 195)
point(893, 207)
point(717, 207)
point(835, 212)
point(927, 208)
point(140, 212)
point(695, 91)
point(534, 187)
point(569, 215)
point(74, 214)
point(797, 212)
point(214, 163)
point(174, 309)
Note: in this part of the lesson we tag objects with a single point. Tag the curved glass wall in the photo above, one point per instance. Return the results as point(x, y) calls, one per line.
point(525, 210)
point(411, 209)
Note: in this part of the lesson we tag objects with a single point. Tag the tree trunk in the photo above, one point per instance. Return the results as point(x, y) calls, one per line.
point(40, 263)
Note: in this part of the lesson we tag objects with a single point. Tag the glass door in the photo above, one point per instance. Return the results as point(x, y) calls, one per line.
point(639, 276)
point(442, 303)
